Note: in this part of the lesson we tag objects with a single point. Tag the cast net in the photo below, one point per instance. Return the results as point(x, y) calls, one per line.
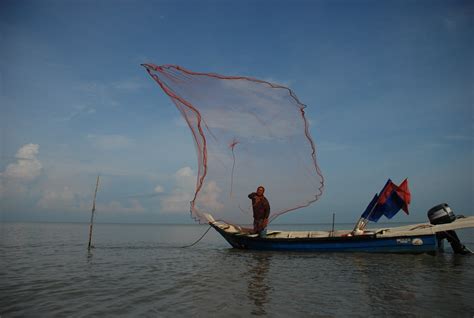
point(247, 132)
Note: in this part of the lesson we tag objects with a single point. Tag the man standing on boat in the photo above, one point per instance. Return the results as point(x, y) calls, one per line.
point(261, 211)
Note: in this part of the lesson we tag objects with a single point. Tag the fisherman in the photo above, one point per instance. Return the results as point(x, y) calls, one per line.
point(261, 211)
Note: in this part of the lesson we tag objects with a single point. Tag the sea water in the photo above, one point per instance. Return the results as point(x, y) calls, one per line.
point(142, 270)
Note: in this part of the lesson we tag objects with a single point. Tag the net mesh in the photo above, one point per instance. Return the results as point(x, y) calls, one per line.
point(247, 132)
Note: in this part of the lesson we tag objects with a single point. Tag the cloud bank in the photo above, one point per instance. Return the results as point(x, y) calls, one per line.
point(27, 167)
point(180, 197)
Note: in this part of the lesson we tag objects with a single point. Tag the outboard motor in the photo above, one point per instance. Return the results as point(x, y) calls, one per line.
point(442, 214)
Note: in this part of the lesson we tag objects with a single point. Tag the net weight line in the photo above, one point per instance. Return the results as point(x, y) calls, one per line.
point(198, 239)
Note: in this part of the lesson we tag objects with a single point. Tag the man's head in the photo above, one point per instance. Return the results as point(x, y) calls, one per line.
point(260, 191)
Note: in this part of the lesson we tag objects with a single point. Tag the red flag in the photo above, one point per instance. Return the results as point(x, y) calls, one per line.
point(404, 193)
point(386, 191)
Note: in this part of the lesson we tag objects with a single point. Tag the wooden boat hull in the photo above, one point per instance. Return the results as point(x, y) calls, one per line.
point(427, 243)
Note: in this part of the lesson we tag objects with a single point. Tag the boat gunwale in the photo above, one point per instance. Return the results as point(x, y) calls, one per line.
point(334, 239)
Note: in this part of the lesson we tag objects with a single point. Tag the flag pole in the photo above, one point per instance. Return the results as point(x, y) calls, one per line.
point(92, 214)
point(333, 218)
point(362, 223)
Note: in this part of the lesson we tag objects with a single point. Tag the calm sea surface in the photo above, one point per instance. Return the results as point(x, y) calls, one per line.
point(140, 270)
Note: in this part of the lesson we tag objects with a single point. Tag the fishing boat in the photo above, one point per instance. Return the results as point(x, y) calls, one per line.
point(414, 238)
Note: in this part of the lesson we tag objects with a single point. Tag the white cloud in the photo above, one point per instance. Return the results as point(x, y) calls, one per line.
point(27, 167)
point(61, 199)
point(184, 172)
point(17, 180)
point(61, 189)
point(57, 197)
point(185, 182)
point(67, 200)
point(209, 198)
point(179, 199)
point(28, 151)
point(110, 142)
point(185, 179)
point(159, 189)
point(117, 207)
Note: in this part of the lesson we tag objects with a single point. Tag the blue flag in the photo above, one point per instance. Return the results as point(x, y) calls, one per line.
point(369, 211)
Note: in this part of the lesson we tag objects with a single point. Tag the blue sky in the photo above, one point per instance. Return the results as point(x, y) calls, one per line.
point(388, 84)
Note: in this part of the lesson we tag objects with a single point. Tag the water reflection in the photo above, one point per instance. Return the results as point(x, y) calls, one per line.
point(398, 284)
point(89, 255)
point(386, 283)
point(258, 288)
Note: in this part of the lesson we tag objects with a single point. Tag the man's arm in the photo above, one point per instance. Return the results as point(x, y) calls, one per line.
point(252, 195)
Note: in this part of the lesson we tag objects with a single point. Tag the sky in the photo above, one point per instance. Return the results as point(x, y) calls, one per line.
point(389, 87)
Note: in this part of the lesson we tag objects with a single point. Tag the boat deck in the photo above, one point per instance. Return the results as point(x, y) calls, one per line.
point(407, 230)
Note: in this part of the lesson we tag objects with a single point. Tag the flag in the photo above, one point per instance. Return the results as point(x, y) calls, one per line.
point(369, 210)
point(386, 191)
point(391, 206)
point(404, 193)
point(389, 201)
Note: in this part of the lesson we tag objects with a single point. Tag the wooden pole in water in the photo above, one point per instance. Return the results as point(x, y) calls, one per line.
point(92, 214)
point(333, 218)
